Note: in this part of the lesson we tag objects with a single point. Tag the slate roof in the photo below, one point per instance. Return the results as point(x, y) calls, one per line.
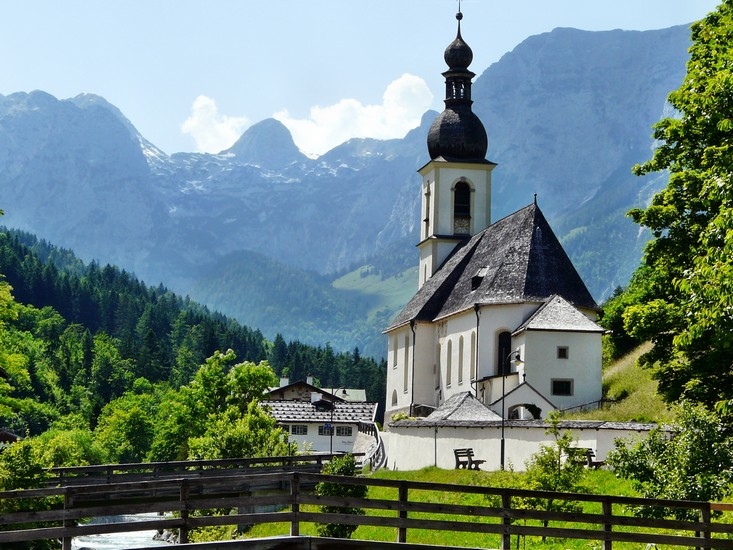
point(558, 314)
point(305, 412)
point(462, 406)
point(563, 425)
point(300, 387)
point(515, 260)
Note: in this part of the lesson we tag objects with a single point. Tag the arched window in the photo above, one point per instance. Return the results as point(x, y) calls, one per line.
point(460, 360)
point(472, 359)
point(394, 398)
point(405, 371)
point(437, 367)
point(449, 365)
point(503, 361)
point(462, 208)
point(395, 345)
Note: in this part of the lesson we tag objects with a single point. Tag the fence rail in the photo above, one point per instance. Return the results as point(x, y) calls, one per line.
point(148, 471)
point(60, 512)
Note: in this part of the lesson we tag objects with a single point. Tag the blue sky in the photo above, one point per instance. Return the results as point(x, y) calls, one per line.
point(193, 75)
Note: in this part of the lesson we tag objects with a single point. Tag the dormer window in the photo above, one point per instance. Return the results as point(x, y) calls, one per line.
point(478, 278)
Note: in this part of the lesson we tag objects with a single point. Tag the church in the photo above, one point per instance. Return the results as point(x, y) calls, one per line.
point(500, 316)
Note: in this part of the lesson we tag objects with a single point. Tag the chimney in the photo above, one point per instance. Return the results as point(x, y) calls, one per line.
point(284, 382)
point(309, 380)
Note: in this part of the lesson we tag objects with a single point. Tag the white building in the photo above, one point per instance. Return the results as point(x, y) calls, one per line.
point(317, 419)
point(500, 311)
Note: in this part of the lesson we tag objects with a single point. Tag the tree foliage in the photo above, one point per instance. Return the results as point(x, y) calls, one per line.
point(556, 467)
point(692, 460)
point(683, 293)
point(97, 367)
point(340, 466)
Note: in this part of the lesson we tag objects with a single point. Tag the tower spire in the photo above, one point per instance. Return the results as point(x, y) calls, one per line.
point(457, 134)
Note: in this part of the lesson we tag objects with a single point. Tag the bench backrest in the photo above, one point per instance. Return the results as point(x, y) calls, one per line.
point(463, 452)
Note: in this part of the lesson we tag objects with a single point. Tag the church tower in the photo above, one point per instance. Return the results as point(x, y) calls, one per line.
point(456, 183)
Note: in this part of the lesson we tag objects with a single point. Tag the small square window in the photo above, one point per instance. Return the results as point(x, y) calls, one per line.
point(563, 352)
point(562, 387)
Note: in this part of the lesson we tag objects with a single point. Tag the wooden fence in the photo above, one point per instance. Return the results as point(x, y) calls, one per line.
point(188, 503)
point(151, 471)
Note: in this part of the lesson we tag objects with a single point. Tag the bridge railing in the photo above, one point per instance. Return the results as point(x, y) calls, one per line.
point(146, 471)
point(187, 503)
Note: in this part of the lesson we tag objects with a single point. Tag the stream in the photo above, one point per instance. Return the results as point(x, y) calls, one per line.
point(119, 541)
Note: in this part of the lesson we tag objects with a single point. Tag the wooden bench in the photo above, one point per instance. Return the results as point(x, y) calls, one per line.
point(464, 459)
point(585, 456)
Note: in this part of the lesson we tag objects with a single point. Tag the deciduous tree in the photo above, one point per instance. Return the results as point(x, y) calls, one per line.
point(691, 461)
point(685, 305)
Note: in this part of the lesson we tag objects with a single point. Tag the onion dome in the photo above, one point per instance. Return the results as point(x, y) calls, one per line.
point(457, 134)
point(458, 54)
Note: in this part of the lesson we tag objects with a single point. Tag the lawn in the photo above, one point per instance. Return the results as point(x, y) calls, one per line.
point(597, 481)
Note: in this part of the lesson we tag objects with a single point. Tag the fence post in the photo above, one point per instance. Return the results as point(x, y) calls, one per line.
point(706, 519)
point(68, 504)
point(506, 504)
point(295, 506)
point(183, 532)
point(402, 497)
point(607, 525)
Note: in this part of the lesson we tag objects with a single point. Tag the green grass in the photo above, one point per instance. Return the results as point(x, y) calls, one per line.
point(597, 482)
point(623, 380)
point(391, 293)
point(635, 390)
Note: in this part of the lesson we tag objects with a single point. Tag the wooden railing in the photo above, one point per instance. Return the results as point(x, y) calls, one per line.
point(60, 513)
point(149, 471)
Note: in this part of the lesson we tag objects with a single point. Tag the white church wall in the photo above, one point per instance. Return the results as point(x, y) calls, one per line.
point(480, 182)
point(408, 350)
point(556, 360)
point(494, 320)
point(425, 365)
point(458, 354)
point(413, 448)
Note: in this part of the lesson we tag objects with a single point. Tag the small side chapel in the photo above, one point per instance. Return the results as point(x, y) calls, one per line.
point(500, 312)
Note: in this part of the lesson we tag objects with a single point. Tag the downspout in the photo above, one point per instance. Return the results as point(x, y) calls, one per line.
point(412, 384)
point(435, 445)
point(476, 309)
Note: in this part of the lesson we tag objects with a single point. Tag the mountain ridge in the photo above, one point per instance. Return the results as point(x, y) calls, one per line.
point(567, 112)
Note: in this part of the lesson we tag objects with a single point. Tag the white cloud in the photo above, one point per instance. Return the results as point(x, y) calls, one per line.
point(212, 132)
point(404, 102)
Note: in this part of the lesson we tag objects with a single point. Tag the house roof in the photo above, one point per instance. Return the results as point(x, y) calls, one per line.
point(517, 259)
point(462, 406)
point(305, 412)
point(525, 393)
point(558, 314)
point(563, 425)
point(347, 394)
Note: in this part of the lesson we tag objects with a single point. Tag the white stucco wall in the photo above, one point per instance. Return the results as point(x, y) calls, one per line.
point(436, 378)
point(413, 448)
point(322, 443)
point(447, 174)
point(582, 367)
point(401, 364)
point(492, 321)
point(439, 178)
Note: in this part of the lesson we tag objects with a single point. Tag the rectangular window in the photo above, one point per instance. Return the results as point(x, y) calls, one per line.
point(563, 352)
point(562, 387)
point(285, 428)
point(325, 430)
point(299, 429)
point(344, 431)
